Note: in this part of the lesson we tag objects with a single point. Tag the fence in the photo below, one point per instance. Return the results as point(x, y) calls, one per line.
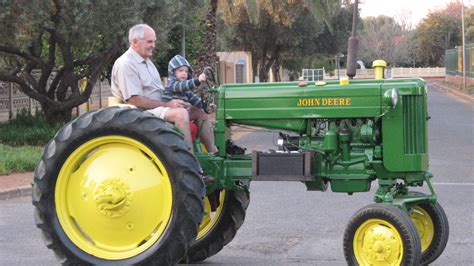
point(453, 62)
point(12, 100)
point(396, 72)
point(313, 74)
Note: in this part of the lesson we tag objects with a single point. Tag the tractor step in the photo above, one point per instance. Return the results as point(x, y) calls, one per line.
point(282, 166)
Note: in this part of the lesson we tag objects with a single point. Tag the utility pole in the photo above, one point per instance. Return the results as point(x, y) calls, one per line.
point(463, 48)
point(183, 38)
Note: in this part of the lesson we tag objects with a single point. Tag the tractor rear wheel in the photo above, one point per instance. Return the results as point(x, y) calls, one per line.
point(381, 234)
point(218, 227)
point(118, 186)
point(433, 228)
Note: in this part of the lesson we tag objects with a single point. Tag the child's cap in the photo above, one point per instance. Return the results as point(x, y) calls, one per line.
point(179, 61)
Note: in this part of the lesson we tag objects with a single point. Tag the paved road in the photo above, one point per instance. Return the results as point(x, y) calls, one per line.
point(285, 225)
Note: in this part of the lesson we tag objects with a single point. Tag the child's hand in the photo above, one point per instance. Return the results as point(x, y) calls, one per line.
point(202, 77)
point(212, 108)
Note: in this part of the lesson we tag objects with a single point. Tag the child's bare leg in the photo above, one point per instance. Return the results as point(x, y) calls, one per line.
point(207, 136)
point(180, 118)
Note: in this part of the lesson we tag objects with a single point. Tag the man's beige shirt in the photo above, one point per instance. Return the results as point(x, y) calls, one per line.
point(133, 75)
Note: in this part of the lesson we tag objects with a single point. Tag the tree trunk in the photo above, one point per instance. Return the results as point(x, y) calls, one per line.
point(54, 116)
point(276, 73)
point(208, 56)
point(254, 66)
point(262, 73)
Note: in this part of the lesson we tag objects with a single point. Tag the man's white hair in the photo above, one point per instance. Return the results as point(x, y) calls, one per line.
point(137, 32)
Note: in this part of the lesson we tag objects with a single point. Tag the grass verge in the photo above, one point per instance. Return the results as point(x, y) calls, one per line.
point(27, 129)
point(18, 159)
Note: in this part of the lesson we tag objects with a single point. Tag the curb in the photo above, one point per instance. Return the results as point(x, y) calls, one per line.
point(465, 96)
point(15, 192)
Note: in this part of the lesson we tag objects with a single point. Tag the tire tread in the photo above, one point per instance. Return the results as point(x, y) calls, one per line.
point(151, 131)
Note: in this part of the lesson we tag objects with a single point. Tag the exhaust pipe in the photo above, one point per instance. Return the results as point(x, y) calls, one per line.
point(352, 45)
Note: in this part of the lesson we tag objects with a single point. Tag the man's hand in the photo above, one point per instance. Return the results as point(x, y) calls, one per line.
point(178, 103)
point(202, 77)
point(145, 103)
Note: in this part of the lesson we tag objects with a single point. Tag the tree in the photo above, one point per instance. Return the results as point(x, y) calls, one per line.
point(379, 39)
point(186, 28)
point(208, 55)
point(439, 31)
point(405, 51)
point(469, 20)
point(67, 41)
point(271, 29)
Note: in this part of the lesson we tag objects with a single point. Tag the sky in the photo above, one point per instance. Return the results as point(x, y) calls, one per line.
point(413, 10)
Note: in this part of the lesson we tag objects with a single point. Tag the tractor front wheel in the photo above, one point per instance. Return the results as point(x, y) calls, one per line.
point(118, 186)
point(381, 234)
point(433, 228)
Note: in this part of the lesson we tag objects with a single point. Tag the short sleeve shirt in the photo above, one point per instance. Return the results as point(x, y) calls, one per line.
point(133, 75)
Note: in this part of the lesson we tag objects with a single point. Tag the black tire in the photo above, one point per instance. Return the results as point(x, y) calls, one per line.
point(156, 142)
point(389, 220)
point(440, 234)
point(224, 230)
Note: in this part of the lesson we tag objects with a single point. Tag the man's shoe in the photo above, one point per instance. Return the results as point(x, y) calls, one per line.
point(214, 200)
point(208, 180)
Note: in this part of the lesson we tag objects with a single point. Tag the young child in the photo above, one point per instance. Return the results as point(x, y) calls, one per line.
point(181, 83)
point(180, 86)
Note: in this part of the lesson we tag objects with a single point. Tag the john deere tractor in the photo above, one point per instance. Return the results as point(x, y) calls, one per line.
point(119, 186)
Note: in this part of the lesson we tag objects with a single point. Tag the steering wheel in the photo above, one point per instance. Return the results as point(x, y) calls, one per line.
point(209, 91)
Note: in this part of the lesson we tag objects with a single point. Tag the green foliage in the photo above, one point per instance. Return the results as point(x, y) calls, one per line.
point(438, 32)
point(194, 37)
point(281, 34)
point(469, 20)
point(18, 159)
point(335, 41)
point(76, 39)
point(27, 129)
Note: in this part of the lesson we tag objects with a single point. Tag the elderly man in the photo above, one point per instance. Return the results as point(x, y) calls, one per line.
point(136, 81)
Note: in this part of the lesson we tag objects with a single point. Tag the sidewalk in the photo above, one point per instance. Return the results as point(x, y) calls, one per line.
point(15, 185)
point(452, 90)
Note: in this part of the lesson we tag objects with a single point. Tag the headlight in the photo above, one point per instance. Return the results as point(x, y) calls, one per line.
point(391, 97)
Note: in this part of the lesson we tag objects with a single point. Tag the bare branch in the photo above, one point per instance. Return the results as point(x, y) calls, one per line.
point(25, 88)
point(17, 52)
point(54, 84)
point(94, 76)
point(17, 69)
point(52, 50)
point(30, 79)
point(29, 67)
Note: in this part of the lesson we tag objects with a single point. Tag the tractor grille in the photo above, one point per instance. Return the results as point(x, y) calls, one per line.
point(414, 124)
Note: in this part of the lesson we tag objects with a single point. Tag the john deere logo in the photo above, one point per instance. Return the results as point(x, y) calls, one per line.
point(324, 102)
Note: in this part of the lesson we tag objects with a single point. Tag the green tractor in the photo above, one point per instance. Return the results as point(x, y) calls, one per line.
point(119, 186)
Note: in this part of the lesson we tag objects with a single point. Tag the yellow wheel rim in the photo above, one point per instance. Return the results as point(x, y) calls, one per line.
point(210, 218)
point(424, 225)
point(377, 242)
point(113, 197)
